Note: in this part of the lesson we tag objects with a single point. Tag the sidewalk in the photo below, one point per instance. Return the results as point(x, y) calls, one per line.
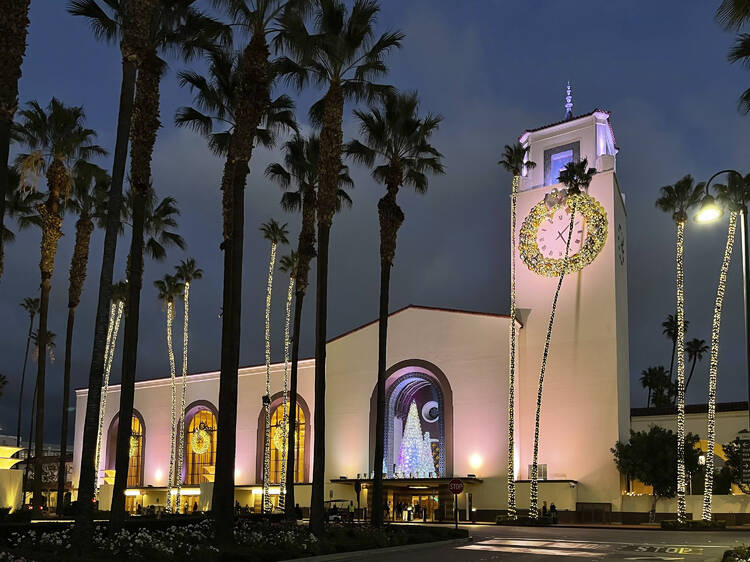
point(608, 526)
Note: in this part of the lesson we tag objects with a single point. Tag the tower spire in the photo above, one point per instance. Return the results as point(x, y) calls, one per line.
point(568, 103)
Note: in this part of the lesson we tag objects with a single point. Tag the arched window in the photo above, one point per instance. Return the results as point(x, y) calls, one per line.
point(136, 451)
point(301, 442)
point(200, 444)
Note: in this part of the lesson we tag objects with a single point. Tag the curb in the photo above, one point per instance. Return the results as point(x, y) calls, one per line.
point(634, 528)
point(378, 552)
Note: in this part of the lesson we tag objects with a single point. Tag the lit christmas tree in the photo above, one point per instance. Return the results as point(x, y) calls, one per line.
point(413, 460)
point(427, 462)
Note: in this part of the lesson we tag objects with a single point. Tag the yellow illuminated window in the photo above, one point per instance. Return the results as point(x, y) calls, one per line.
point(277, 443)
point(135, 465)
point(200, 448)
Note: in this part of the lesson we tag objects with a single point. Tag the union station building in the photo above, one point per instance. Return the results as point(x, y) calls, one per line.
point(453, 366)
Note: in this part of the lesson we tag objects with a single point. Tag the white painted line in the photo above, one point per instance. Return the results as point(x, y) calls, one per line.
point(546, 544)
point(631, 542)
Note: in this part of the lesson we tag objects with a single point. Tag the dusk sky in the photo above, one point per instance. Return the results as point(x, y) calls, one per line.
point(492, 69)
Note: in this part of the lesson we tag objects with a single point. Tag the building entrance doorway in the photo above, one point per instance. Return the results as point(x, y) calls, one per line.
point(412, 505)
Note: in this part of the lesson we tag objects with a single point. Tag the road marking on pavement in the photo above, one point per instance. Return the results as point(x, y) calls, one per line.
point(530, 550)
point(657, 558)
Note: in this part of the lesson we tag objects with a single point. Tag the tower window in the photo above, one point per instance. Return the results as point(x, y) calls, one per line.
point(555, 159)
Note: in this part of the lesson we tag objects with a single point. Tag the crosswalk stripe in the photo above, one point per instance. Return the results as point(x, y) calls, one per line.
point(531, 550)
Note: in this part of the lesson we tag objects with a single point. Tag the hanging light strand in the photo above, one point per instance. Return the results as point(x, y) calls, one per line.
point(172, 432)
point(534, 495)
point(285, 421)
point(103, 397)
point(181, 415)
point(512, 354)
point(680, 348)
point(267, 505)
point(115, 315)
point(713, 368)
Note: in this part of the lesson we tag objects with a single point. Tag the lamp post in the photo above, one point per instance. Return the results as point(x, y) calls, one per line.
point(709, 212)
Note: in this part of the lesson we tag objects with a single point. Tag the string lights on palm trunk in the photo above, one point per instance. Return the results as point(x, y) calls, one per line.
point(285, 421)
point(534, 495)
point(680, 349)
point(181, 421)
point(173, 387)
point(512, 354)
point(115, 315)
point(267, 505)
point(714, 366)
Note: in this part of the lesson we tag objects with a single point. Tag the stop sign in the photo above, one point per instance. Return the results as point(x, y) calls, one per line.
point(456, 486)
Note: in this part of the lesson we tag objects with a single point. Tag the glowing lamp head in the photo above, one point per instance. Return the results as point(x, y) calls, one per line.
point(475, 461)
point(710, 211)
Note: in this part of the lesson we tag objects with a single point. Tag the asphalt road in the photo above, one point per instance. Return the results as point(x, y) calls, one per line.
point(526, 544)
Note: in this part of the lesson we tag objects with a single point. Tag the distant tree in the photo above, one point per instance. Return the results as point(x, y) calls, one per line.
point(669, 329)
point(733, 464)
point(651, 457)
point(695, 349)
point(3, 382)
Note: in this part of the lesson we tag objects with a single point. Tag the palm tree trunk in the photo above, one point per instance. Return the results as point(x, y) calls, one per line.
point(83, 528)
point(680, 398)
point(144, 128)
point(671, 363)
point(692, 369)
point(23, 378)
point(319, 420)
point(254, 88)
point(511, 477)
point(291, 473)
point(713, 369)
point(65, 405)
point(181, 425)
point(267, 505)
point(329, 168)
point(14, 24)
point(29, 455)
point(51, 233)
point(391, 217)
point(534, 495)
point(78, 265)
point(173, 406)
point(285, 419)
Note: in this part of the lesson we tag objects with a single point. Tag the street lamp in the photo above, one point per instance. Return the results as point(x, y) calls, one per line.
point(709, 211)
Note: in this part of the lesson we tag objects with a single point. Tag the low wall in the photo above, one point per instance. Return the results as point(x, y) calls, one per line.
point(563, 493)
point(735, 509)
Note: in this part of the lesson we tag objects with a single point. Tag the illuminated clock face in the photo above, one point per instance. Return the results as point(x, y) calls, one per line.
point(552, 235)
point(546, 228)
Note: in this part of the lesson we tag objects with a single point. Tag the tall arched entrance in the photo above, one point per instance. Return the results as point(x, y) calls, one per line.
point(418, 455)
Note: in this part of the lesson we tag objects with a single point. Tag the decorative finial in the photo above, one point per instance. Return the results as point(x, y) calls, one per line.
point(568, 103)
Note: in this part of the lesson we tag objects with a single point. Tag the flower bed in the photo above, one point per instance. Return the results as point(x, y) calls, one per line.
point(739, 554)
point(194, 540)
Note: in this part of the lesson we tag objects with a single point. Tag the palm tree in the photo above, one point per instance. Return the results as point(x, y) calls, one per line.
point(677, 199)
point(3, 382)
point(234, 110)
point(276, 234)
point(287, 264)
point(301, 157)
point(170, 288)
point(733, 15)
point(513, 161)
point(694, 349)
point(58, 141)
point(20, 204)
point(128, 22)
point(670, 330)
point(343, 56)
point(398, 140)
point(88, 201)
point(117, 306)
point(735, 196)
point(176, 25)
point(186, 273)
point(31, 306)
point(14, 24)
point(158, 224)
point(647, 382)
point(577, 177)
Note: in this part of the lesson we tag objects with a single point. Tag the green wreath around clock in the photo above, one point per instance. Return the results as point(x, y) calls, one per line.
point(595, 219)
point(201, 441)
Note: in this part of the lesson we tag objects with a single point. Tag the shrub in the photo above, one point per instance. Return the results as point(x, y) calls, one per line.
point(698, 524)
point(739, 554)
point(523, 521)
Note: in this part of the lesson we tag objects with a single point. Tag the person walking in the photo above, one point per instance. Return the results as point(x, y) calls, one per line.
point(553, 512)
point(351, 511)
point(544, 509)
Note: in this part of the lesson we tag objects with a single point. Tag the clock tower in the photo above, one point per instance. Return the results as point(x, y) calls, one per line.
point(586, 399)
